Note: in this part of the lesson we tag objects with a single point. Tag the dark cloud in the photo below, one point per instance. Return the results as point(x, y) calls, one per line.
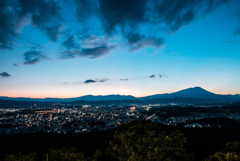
point(152, 76)
point(96, 52)
point(170, 14)
point(32, 57)
point(92, 46)
point(122, 13)
point(237, 32)
point(84, 7)
point(236, 14)
point(44, 14)
point(89, 81)
point(5, 74)
point(137, 41)
point(90, 53)
point(68, 54)
point(95, 81)
point(8, 24)
point(157, 16)
point(124, 79)
point(176, 14)
point(70, 43)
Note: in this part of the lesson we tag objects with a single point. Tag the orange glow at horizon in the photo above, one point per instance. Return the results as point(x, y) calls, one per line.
point(74, 94)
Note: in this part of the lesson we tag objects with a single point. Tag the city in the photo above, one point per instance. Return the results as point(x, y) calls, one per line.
point(63, 119)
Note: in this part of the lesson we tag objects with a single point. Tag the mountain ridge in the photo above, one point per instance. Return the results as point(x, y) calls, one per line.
point(194, 92)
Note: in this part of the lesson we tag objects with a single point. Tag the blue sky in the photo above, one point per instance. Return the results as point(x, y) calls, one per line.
point(71, 48)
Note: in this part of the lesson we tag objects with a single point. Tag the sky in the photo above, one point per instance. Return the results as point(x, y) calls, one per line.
point(71, 48)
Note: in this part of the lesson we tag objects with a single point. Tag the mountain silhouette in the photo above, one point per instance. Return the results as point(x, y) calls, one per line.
point(83, 98)
point(195, 92)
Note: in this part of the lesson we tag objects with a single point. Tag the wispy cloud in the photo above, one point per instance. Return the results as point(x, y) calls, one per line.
point(16, 64)
point(229, 42)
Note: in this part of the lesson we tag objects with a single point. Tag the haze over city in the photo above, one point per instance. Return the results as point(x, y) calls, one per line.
point(73, 48)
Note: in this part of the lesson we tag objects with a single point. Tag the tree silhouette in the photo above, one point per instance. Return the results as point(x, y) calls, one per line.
point(21, 157)
point(230, 153)
point(144, 141)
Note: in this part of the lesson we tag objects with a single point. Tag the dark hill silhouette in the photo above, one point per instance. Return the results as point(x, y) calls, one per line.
point(16, 103)
point(83, 98)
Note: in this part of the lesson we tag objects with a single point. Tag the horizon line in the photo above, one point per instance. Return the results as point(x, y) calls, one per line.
point(119, 95)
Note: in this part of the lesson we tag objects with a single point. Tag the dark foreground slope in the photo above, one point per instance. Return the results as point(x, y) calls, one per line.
point(202, 142)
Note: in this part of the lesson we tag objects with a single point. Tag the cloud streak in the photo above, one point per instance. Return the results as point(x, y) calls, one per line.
point(91, 81)
point(229, 42)
point(90, 53)
point(95, 81)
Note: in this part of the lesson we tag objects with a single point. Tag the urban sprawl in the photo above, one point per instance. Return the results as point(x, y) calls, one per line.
point(63, 119)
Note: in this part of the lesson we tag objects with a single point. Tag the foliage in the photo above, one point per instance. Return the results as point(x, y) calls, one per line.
point(232, 147)
point(21, 157)
point(143, 141)
point(230, 153)
point(65, 154)
point(220, 156)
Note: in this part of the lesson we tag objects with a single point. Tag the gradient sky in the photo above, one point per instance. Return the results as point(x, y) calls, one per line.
point(71, 48)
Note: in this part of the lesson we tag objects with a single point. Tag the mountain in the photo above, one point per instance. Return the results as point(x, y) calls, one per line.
point(195, 92)
point(84, 98)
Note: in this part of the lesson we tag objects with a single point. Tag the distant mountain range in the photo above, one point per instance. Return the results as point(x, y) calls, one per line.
point(196, 92)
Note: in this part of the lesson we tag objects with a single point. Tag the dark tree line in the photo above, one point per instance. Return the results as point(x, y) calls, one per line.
point(135, 141)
